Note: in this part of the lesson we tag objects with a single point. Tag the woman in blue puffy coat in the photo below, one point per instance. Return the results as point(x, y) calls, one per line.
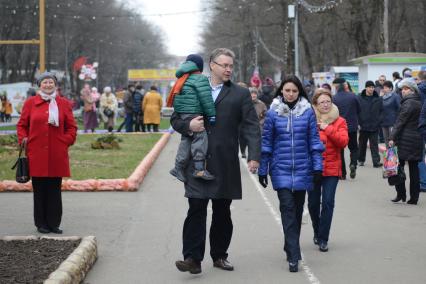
point(292, 156)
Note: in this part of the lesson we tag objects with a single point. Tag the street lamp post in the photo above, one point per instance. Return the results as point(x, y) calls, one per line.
point(292, 13)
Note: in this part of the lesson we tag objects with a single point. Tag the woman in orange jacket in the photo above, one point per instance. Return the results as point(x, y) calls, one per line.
point(334, 135)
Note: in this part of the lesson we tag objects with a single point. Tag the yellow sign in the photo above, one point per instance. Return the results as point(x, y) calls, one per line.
point(151, 74)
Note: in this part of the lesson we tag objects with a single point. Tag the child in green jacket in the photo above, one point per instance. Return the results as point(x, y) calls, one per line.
point(191, 97)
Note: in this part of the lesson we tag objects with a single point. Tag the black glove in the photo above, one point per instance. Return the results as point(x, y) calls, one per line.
point(263, 180)
point(317, 177)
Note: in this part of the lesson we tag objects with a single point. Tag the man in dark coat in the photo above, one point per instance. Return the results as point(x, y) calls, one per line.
point(349, 109)
point(128, 109)
point(422, 126)
point(370, 118)
point(234, 110)
point(138, 96)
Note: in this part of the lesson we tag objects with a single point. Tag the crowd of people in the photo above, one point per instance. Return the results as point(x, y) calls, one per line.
point(142, 110)
point(296, 136)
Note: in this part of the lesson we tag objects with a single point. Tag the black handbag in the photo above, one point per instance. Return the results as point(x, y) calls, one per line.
point(108, 112)
point(398, 178)
point(22, 168)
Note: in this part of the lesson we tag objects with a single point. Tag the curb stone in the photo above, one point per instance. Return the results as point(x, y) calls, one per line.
point(78, 263)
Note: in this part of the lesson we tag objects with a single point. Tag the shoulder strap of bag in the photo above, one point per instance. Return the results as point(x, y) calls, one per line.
point(21, 147)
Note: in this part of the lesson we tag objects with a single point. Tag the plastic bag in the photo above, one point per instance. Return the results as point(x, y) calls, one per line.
point(390, 162)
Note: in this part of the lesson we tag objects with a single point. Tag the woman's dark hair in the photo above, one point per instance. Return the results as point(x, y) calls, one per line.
point(396, 75)
point(291, 79)
point(388, 84)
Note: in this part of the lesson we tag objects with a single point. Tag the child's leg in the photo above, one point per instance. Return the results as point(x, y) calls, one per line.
point(199, 146)
point(184, 152)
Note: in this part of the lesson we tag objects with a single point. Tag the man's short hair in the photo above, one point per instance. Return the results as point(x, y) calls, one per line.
point(138, 87)
point(388, 84)
point(221, 51)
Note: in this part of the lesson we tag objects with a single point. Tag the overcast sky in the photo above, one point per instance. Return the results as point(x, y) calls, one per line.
point(178, 43)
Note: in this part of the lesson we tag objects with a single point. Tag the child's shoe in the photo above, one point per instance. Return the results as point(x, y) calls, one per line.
point(178, 173)
point(204, 174)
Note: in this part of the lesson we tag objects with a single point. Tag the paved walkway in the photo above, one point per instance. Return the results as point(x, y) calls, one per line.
point(139, 233)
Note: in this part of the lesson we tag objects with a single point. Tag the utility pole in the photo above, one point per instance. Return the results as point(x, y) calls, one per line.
point(386, 25)
point(42, 27)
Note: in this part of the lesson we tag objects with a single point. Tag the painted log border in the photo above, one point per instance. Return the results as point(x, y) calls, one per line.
point(131, 183)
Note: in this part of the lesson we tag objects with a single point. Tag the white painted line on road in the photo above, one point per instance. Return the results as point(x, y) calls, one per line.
point(277, 217)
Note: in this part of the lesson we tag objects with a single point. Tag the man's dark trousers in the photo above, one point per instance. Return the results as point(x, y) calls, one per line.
point(372, 137)
point(194, 229)
point(353, 149)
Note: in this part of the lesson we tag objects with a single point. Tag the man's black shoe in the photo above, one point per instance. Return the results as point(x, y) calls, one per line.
point(293, 266)
point(353, 171)
point(224, 264)
point(56, 230)
point(412, 202)
point(378, 165)
point(43, 230)
point(189, 265)
point(316, 241)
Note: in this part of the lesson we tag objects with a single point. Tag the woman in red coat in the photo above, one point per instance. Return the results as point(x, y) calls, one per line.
point(47, 128)
point(334, 134)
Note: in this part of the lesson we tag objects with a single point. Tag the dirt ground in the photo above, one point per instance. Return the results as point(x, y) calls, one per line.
point(32, 261)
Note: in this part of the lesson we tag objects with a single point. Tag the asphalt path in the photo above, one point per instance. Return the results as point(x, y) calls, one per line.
point(139, 233)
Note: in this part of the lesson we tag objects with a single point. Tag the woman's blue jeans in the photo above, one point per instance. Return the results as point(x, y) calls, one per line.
point(321, 207)
point(291, 208)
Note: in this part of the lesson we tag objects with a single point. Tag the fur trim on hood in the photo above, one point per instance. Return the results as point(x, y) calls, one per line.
point(282, 108)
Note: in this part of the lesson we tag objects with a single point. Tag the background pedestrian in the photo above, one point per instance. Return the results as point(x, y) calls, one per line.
point(406, 136)
point(151, 108)
point(334, 135)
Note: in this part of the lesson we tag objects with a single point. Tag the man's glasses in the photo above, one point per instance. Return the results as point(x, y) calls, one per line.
point(224, 66)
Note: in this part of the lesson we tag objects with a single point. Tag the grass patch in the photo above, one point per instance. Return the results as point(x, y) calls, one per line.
point(87, 163)
point(9, 127)
point(164, 124)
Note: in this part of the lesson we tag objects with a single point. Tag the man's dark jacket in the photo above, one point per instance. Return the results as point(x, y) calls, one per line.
point(405, 132)
point(349, 109)
point(371, 114)
point(422, 122)
point(234, 107)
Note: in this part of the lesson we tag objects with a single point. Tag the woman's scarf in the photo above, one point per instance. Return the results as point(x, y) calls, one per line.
point(95, 97)
point(329, 117)
point(53, 108)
